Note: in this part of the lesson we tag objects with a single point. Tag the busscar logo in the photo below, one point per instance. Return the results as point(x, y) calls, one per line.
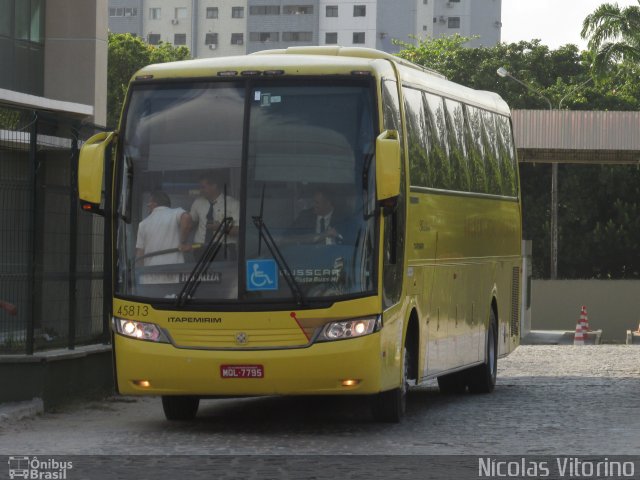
point(37, 469)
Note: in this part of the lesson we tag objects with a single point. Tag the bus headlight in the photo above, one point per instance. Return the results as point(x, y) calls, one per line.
point(140, 330)
point(357, 327)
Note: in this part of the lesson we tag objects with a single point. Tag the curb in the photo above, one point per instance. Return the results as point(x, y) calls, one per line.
point(15, 411)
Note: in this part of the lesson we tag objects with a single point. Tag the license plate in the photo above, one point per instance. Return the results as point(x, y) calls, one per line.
point(241, 371)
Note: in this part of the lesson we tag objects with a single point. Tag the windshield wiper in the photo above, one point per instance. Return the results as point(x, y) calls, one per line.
point(210, 252)
point(264, 233)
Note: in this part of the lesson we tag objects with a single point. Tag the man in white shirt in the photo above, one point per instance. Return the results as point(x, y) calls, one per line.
point(208, 210)
point(165, 228)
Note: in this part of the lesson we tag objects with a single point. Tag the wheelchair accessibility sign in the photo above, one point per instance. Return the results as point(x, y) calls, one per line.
point(262, 275)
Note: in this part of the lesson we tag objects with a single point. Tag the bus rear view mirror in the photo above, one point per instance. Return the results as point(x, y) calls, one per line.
point(387, 165)
point(91, 171)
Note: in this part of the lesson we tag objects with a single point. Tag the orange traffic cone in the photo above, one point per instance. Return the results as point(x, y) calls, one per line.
point(578, 339)
point(584, 320)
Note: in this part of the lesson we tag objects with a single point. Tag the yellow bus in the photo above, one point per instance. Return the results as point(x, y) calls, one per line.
point(308, 221)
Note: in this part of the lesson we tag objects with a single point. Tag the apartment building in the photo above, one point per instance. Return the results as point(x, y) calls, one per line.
point(282, 24)
point(125, 16)
point(349, 23)
point(208, 27)
point(234, 27)
point(469, 18)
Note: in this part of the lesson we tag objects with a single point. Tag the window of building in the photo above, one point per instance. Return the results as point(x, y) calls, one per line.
point(211, 39)
point(181, 13)
point(454, 22)
point(153, 38)
point(297, 36)
point(264, 10)
point(264, 36)
point(212, 12)
point(297, 10)
point(123, 12)
point(155, 14)
point(332, 11)
point(359, 10)
point(358, 37)
point(180, 39)
point(237, 12)
point(237, 39)
point(331, 38)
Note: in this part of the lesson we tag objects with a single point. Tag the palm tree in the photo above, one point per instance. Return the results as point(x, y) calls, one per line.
point(614, 35)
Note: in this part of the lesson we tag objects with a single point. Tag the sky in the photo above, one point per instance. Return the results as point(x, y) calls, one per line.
point(555, 22)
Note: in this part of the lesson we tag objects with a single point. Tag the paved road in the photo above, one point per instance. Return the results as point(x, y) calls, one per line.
point(549, 400)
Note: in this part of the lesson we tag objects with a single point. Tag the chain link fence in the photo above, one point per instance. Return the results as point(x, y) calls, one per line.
point(51, 253)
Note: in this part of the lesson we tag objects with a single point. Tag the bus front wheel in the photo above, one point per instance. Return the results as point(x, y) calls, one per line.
point(180, 408)
point(390, 406)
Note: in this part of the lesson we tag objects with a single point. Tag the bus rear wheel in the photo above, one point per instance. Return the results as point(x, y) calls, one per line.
point(180, 408)
point(482, 379)
point(390, 406)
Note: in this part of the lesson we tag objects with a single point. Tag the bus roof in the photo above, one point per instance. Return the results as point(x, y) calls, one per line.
point(315, 60)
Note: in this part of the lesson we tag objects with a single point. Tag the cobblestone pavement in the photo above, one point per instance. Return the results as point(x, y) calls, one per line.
point(549, 400)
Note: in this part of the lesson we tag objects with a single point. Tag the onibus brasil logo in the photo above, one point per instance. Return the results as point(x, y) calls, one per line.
point(34, 468)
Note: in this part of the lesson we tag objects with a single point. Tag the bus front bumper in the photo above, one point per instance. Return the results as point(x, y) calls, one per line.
point(341, 367)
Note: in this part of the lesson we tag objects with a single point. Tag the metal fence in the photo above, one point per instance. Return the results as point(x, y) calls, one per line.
point(51, 253)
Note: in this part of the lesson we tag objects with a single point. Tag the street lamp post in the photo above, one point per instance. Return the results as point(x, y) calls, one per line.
point(502, 72)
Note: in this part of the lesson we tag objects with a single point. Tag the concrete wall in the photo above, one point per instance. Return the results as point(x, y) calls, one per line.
point(485, 21)
point(76, 53)
point(57, 377)
point(612, 305)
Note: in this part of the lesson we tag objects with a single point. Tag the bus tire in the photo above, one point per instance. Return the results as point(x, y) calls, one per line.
point(180, 408)
point(482, 379)
point(453, 383)
point(390, 406)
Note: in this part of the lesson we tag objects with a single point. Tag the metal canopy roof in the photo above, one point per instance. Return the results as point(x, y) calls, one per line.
point(569, 136)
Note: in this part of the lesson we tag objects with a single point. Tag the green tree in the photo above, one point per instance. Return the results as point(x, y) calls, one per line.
point(613, 34)
point(128, 54)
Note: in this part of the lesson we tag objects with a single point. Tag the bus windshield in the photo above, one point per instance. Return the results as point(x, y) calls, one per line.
point(255, 191)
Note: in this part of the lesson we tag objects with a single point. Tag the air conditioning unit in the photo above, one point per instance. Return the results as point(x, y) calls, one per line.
point(213, 46)
point(174, 21)
point(450, 4)
point(442, 19)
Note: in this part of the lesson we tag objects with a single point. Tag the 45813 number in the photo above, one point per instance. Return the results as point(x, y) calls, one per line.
point(133, 310)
